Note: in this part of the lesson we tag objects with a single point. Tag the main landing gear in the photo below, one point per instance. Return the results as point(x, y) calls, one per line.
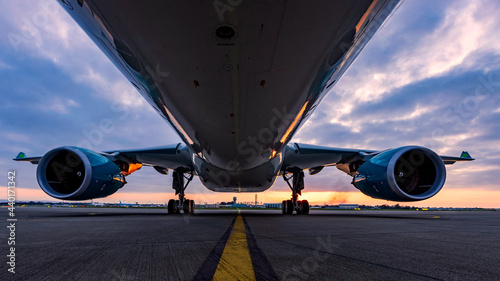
point(175, 206)
point(288, 206)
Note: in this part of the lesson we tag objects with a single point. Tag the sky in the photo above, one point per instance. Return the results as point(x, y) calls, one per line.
point(429, 77)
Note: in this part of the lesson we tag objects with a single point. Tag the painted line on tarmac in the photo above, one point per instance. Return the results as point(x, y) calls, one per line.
point(235, 262)
point(209, 266)
point(236, 257)
point(262, 266)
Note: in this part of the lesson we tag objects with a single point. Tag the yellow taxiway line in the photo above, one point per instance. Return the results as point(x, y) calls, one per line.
point(235, 262)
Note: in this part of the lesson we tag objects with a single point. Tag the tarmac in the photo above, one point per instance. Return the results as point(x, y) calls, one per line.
point(148, 244)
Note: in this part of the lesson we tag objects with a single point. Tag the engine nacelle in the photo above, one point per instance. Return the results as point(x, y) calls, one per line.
point(73, 173)
point(409, 173)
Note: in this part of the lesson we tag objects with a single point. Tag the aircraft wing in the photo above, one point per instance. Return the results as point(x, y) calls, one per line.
point(22, 157)
point(448, 160)
point(315, 158)
point(297, 157)
point(170, 156)
point(165, 157)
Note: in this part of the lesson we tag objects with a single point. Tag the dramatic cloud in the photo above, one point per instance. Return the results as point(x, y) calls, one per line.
point(430, 77)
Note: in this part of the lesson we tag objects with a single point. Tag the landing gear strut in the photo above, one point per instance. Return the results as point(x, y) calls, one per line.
point(175, 206)
point(288, 206)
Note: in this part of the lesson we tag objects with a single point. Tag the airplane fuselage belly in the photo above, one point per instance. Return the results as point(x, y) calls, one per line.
point(234, 80)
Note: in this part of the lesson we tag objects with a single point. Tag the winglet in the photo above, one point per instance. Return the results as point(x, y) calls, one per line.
point(465, 154)
point(22, 157)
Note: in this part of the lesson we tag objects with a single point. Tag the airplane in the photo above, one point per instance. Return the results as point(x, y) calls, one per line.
point(125, 204)
point(236, 80)
point(96, 204)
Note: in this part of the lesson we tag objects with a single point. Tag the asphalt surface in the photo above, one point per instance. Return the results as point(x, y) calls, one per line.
point(147, 244)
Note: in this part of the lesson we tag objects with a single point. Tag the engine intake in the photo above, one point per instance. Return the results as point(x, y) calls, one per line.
point(409, 173)
point(73, 173)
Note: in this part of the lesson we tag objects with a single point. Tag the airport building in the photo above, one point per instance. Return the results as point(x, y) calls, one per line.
point(272, 205)
point(343, 207)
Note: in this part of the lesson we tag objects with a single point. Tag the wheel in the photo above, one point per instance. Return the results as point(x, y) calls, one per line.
point(177, 210)
point(300, 210)
point(186, 206)
point(191, 204)
point(289, 207)
point(305, 207)
point(283, 207)
point(171, 206)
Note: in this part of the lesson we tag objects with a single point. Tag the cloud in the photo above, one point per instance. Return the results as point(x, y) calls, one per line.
point(458, 43)
point(419, 78)
point(416, 83)
point(46, 31)
point(402, 55)
point(5, 66)
point(60, 105)
point(16, 137)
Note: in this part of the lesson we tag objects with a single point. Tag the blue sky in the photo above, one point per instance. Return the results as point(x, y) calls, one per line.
point(430, 77)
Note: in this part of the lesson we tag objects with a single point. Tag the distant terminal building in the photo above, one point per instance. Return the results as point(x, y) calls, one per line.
point(207, 205)
point(272, 205)
point(343, 207)
point(348, 206)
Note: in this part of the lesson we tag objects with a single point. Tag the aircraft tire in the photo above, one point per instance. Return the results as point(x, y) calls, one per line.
point(177, 210)
point(191, 204)
point(186, 206)
point(301, 208)
point(305, 207)
point(171, 206)
point(289, 207)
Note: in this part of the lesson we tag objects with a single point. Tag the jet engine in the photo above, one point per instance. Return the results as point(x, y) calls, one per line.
point(409, 173)
point(73, 173)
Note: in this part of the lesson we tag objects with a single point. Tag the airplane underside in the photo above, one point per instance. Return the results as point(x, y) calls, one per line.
point(236, 80)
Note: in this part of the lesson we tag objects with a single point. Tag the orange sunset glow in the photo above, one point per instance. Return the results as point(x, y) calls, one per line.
point(446, 198)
